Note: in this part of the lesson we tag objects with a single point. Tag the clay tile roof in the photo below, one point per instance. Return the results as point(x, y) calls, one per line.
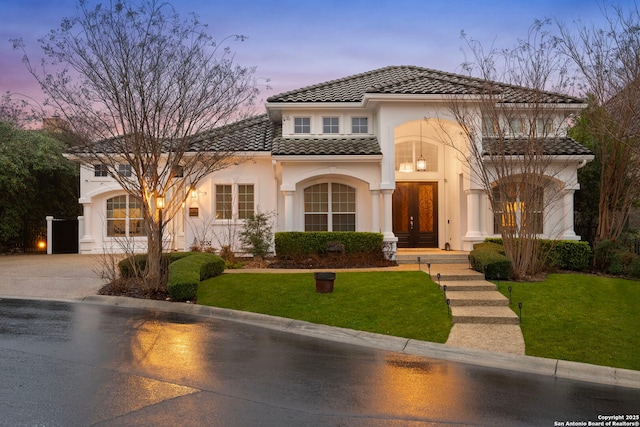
point(252, 134)
point(563, 146)
point(326, 146)
point(408, 80)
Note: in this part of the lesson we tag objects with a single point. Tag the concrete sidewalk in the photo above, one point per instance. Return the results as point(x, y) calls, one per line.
point(77, 278)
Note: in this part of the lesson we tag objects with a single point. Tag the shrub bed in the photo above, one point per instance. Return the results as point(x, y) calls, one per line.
point(489, 258)
point(186, 273)
point(562, 254)
point(135, 265)
point(293, 244)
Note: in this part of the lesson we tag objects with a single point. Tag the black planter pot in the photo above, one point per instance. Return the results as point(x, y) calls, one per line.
point(324, 282)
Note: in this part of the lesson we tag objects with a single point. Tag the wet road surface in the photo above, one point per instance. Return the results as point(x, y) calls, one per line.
point(78, 364)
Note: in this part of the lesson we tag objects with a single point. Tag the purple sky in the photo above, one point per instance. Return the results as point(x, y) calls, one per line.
point(295, 43)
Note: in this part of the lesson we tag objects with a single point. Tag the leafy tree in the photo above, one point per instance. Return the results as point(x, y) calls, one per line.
point(35, 180)
point(153, 89)
point(608, 59)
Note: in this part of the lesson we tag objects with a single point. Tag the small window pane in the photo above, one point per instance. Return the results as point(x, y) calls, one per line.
point(344, 222)
point(302, 125)
point(223, 202)
point(245, 201)
point(315, 222)
point(330, 125)
point(316, 198)
point(100, 170)
point(359, 125)
point(124, 170)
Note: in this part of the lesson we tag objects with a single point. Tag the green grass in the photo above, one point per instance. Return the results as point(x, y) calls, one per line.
point(580, 318)
point(403, 304)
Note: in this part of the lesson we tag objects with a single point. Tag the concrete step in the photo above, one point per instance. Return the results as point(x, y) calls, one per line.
point(484, 315)
point(476, 298)
point(468, 285)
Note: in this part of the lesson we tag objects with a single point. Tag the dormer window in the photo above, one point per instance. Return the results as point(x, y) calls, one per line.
point(359, 125)
point(330, 125)
point(124, 170)
point(100, 170)
point(302, 125)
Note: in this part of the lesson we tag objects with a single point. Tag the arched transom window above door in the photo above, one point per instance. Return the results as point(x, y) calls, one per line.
point(414, 156)
point(329, 207)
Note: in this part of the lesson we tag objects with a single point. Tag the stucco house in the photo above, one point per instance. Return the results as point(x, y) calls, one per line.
point(361, 153)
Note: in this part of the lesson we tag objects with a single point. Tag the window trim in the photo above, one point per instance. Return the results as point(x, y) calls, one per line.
point(327, 206)
point(302, 125)
point(236, 213)
point(127, 219)
point(367, 132)
point(328, 128)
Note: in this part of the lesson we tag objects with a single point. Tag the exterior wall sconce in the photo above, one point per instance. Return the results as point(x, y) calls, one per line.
point(160, 202)
point(194, 193)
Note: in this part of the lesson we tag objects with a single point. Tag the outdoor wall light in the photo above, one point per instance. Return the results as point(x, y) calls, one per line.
point(160, 202)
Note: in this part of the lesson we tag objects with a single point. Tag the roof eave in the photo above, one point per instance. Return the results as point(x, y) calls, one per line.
point(558, 158)
point(333, 158)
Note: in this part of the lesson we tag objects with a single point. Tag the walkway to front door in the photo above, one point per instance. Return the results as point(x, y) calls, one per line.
point(415, 214)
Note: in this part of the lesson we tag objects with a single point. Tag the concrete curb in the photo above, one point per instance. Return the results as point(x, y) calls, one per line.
point(527, 364)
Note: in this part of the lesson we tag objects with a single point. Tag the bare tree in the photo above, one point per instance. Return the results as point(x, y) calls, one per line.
point(153, 90)
point(609, 60)
point(514, 140)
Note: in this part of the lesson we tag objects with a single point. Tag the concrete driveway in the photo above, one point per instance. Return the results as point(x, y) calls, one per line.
point(65, 276)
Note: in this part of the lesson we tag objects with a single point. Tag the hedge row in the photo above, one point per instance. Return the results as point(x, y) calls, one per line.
point(292, 244)
point(489, 258)
point(185, 271)
point(562, 254)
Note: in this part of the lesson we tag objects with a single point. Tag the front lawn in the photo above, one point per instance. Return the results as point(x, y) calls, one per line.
point(581, 318)
point(403, 304)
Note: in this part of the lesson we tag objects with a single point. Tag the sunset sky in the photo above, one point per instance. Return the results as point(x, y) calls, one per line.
point(295, 43)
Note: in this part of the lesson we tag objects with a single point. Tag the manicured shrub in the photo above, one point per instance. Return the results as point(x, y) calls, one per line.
point(136, 264)
point(567, 254)
point(186, 273)
point(562, 254)
point(296, 244)
point(489, 258)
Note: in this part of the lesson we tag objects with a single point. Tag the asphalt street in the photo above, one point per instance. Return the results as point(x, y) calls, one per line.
point(79, 364)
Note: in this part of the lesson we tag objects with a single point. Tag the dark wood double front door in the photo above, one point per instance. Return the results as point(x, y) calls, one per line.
point(415, 214)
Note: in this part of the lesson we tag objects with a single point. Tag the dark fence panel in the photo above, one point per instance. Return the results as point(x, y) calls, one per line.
point(64, 239)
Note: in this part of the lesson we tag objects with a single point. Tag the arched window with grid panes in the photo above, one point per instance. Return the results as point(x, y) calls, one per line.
point(329, 207)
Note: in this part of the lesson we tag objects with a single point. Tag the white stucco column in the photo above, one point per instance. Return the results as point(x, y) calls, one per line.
point(288, 210)
point(567, 211)
point(473, 213)
point(375, 210)
point(88, 224)
point(387, 215)
point(49, 234)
